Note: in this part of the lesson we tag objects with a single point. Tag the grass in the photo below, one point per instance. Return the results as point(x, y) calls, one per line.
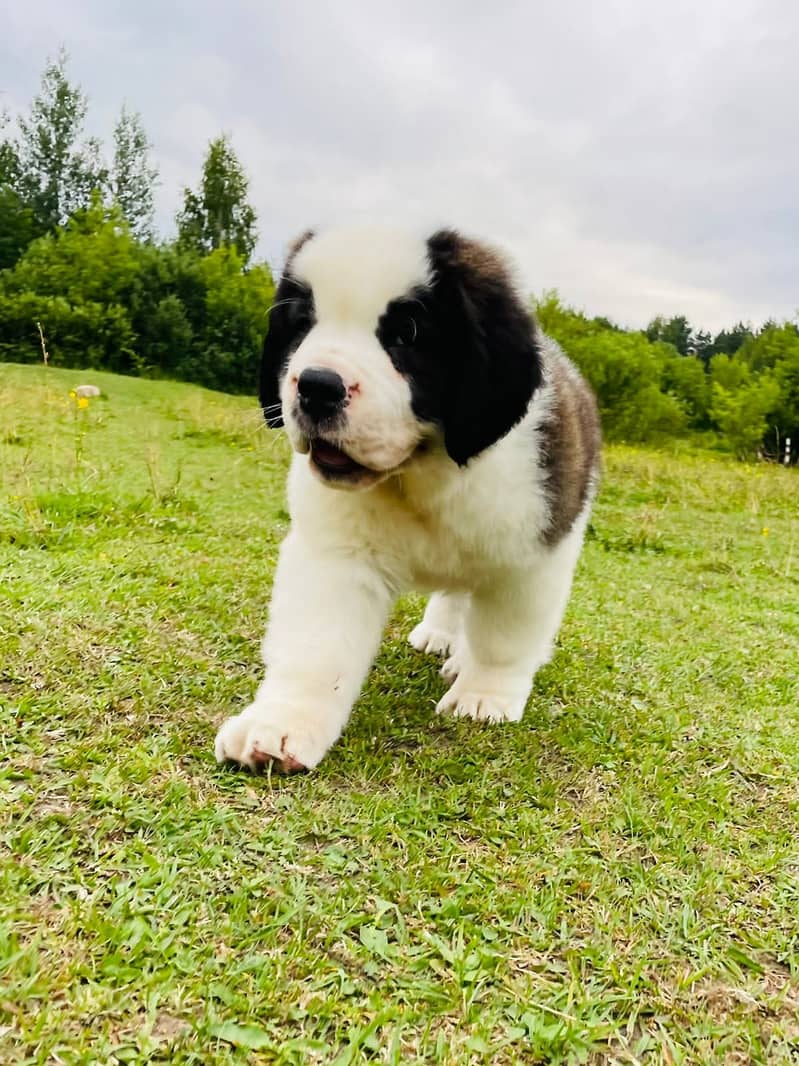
point(615, 879)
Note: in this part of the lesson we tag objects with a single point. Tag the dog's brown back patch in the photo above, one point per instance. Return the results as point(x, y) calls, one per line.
point(570, 444)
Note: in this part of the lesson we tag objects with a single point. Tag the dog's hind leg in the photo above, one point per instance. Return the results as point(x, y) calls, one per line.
point(509, 632)
point(442, 626)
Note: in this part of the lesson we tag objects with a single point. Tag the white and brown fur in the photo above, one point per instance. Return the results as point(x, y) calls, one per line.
point(461, 459)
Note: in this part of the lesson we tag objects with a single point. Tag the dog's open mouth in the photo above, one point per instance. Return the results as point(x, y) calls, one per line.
point(333, 462)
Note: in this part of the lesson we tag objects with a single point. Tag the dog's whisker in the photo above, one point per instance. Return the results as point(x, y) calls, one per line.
point(248, 418)
point(280, 303)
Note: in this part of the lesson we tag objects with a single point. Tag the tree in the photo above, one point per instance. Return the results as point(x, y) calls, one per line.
point(235, 321)
point(107, 300)
point(218, 215)
point(742, 417)
point(702, 344)
point(9, 157)
point(769, 347)
point(625, 372)
point(17, 227)
point(133, 177)
point(776, 349)
point(57, 172)
point(727, 342)
point(786, 415)
point(77, 281)
point(730, 373)
point(93, 258)
point(686, 380)
point(675, 331)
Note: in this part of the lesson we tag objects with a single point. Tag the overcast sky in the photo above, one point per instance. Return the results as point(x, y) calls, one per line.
point(640, 156)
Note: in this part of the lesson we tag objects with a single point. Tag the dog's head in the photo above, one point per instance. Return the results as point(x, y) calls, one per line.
point(380, 341)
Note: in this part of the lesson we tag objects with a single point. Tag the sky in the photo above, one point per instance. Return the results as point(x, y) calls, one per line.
point(641, 157)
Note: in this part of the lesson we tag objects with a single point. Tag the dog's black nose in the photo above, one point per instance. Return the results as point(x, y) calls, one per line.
point(321, 391)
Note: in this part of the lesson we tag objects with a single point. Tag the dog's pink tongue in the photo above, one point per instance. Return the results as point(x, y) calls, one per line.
point(331, 455)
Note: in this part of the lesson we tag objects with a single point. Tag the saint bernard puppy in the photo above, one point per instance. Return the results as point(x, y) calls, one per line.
point(442, 443)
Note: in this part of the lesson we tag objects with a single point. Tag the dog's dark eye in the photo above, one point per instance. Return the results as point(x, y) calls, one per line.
point(402, 327)
point(402, 334)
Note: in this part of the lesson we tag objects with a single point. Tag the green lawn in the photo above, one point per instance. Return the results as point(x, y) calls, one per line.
point(615, 879)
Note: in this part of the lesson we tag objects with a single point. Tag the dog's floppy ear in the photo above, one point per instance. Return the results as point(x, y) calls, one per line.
point(492, 349)
point(290, 318)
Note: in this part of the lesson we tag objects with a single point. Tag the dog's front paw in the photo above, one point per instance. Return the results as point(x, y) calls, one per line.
point(430, 639)
point(452, 666)
point(489, 697)
point(262, 735)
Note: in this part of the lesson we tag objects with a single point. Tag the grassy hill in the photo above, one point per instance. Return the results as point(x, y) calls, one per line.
point(615, 879)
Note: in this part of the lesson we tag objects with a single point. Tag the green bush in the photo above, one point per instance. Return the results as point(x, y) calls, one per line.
point(234, 320)
point(105, 300)
point(685, 378)
point(756, 392)
point(82, 335)
point(742, 415)
point(17, 226)
point(625, 373)
point(625, 370)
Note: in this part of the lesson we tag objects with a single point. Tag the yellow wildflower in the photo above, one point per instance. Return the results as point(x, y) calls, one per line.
point(72, 394)
point(764, 531)
point(83, 402)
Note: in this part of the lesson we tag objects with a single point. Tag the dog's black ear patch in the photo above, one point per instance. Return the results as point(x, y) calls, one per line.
point(290, 319)
point(488, 342)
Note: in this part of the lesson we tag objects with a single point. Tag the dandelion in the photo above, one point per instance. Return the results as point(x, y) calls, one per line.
point(764, 531)
point(83, 402)
point(72, 394)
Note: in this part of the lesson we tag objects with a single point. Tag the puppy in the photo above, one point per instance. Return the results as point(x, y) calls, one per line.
point(442, 443)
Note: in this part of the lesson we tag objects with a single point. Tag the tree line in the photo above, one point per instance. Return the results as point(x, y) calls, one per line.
point(81, 268)
point(740, 386)
point(83, 271)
